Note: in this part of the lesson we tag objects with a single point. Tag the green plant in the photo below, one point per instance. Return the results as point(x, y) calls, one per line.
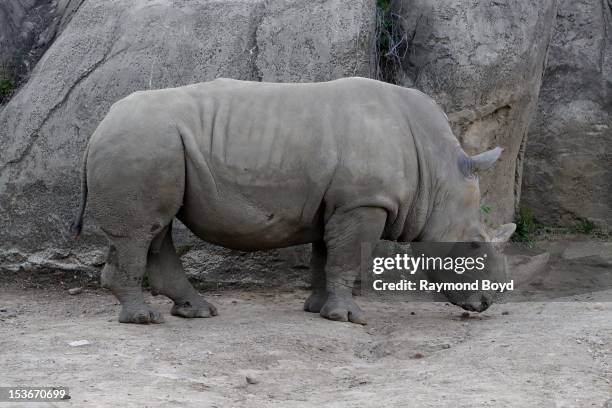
point(6, 86)
point(383, 4)
point(7, 83)
point(486, 208)
point(183, 249)
point(391, 42)
point(526, 227)
point(584, 226)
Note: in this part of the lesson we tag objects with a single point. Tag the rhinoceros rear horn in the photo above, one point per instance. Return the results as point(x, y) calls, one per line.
point(474, 164)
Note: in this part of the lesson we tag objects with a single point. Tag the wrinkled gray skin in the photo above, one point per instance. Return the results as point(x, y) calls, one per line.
point(254, 166)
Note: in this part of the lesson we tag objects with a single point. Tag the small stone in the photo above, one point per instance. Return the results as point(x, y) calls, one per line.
point(412, 313)
point(418, 356)
point(505, 313)
point(446, 346)
point(79, 343)
point(465, 315)
point(75, 291)
point(251, 380)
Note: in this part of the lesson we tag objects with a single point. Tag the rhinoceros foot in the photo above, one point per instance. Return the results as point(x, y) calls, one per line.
point(196, 307)
point(315, 301)
point(141, 314)
point(342, 309)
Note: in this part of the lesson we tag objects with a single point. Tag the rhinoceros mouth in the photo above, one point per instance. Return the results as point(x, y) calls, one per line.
point(476, 307)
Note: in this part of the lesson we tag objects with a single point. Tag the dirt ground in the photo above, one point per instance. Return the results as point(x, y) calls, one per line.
point(535, 354)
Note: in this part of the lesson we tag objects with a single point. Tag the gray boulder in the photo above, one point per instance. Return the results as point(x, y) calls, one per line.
point(111, 49)
point(568, 166)
point(482, 61)
point(314, 41)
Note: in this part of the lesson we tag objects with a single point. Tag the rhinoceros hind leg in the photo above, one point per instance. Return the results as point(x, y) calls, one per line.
point(344, 234)
point(167, 276)
point(318, 297)
point(123, 274)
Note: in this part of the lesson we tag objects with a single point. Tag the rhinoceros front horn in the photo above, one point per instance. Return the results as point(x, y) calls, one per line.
point(474, 164)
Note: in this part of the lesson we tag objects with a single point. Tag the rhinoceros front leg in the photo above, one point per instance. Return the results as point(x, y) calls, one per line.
point(318, 297)
point(167, 276)
point(123, 273)
point(344, 234)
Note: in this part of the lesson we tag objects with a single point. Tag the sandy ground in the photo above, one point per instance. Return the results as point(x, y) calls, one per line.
point(553, 354)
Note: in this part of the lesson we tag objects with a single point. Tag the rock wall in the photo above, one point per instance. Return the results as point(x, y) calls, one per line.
point(112, 48)
point(27, 27)
point(568, 166)
point(16, 34)
point(482, 61)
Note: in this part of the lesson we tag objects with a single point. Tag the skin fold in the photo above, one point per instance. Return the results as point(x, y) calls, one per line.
point(253, 166)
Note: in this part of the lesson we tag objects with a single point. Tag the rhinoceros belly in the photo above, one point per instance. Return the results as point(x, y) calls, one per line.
point(241, 213)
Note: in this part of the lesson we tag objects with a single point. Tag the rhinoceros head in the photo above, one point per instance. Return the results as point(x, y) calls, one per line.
point(457, 217)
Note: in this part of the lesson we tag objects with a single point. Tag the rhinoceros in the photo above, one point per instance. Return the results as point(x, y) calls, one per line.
point(254, 166)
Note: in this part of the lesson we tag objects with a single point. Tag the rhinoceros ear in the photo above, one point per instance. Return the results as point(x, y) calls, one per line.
point(474, 164)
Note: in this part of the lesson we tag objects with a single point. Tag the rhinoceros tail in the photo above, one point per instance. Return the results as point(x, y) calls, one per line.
point(77, 224)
